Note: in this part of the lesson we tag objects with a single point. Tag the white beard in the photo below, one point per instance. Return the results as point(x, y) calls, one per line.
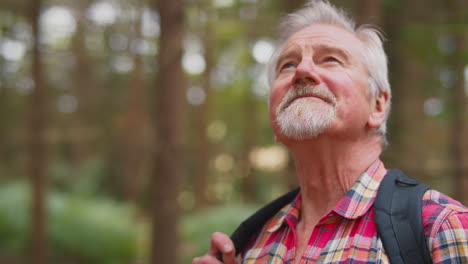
point(306, 118)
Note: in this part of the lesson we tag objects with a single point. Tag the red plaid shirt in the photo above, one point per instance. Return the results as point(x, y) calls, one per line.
point(348, 233)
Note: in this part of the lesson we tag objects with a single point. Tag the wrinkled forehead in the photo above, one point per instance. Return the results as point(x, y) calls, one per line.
point(326, 35)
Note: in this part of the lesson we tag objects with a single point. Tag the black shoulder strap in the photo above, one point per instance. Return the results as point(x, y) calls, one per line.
point(253, 224)
point(398, 215)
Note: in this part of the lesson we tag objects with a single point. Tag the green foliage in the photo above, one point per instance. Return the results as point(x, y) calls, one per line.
point(197, 228)
point(101, 231)
point(90, 172)
point(414, 35)
point(94, 230)
point(13, 217)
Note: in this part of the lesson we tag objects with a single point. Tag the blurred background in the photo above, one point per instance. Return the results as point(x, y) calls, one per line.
point(133, 129)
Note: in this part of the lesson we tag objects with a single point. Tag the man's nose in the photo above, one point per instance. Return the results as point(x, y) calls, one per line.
point(306, 73)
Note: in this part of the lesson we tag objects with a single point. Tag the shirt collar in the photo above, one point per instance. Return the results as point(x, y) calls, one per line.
point(289, 212)
point(361, 196)
point(354, 204)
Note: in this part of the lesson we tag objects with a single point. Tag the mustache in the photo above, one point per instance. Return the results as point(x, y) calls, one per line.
point(305, 90)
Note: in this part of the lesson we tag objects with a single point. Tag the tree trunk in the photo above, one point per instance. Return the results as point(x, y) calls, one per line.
point(459, 102)
point(203, 145)
point(83, 90)
point(169, 118)
point(293, 5)
point(369, 12)
point(406, 127)
point(38, 149)
point(248, 142)
point(8, 151)
point(249, 135)
point(458, 144)
point(134, 127)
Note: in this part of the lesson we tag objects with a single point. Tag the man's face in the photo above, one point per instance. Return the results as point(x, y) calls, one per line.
point(321, 85)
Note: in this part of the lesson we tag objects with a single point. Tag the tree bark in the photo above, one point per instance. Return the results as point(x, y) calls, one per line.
point(203, 150)
point(169, 118)
point(38, 148)
point(83, 90)
point(248, 141)
point(459, 102)
point(458, 144)
point(293, 5)
point(369, 12)
point(407, 149)
point(135, 127)
point(7, 147)
point(249, 136)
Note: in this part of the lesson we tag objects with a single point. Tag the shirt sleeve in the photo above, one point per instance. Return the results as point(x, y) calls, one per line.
point(450, 243)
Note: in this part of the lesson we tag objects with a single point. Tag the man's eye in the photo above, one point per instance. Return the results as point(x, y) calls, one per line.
point(331, 59)
point(288, 65)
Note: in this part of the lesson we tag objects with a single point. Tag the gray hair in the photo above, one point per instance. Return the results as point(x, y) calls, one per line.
point(322, 12)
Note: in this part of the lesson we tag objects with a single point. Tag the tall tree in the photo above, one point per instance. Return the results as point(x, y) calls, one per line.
point(38, 147)
point(134, 122)
point(369, 12)
point(202, 116)
point(169, 118)
point(406, 124)
point(293, 5)
point(458, 99)
point(250, 121)
point(6, 147)
point(249, 114)
point(83, 82)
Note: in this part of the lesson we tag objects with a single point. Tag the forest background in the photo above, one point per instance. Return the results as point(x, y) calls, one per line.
point(132, 130)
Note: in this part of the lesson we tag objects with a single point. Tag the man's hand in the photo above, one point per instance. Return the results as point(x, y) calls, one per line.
point(220, 243)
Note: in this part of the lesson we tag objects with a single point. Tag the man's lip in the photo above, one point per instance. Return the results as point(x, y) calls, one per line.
point(304, 96)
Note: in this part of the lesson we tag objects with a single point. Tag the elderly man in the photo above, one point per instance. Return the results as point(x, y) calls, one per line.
point(329, 103)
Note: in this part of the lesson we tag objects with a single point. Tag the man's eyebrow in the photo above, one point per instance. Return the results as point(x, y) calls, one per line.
point(321, 48)
point(283, 56)
point(334, 50)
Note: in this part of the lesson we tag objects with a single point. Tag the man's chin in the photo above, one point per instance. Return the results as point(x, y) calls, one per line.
point(303, 137)
point(293, 129)
point(291, 135)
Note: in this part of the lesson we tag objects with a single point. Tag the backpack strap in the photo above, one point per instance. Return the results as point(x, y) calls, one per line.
point(242, 235)
point(398, 215)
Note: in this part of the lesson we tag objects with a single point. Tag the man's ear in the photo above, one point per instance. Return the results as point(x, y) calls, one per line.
point(380, 106)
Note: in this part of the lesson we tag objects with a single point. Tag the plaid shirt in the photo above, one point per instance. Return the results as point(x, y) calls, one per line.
point(348, 233)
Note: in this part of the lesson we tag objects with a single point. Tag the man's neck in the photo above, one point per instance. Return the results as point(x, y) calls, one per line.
point(327, 169)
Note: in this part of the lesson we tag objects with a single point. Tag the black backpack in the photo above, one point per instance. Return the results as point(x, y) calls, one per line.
point(397, 211)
